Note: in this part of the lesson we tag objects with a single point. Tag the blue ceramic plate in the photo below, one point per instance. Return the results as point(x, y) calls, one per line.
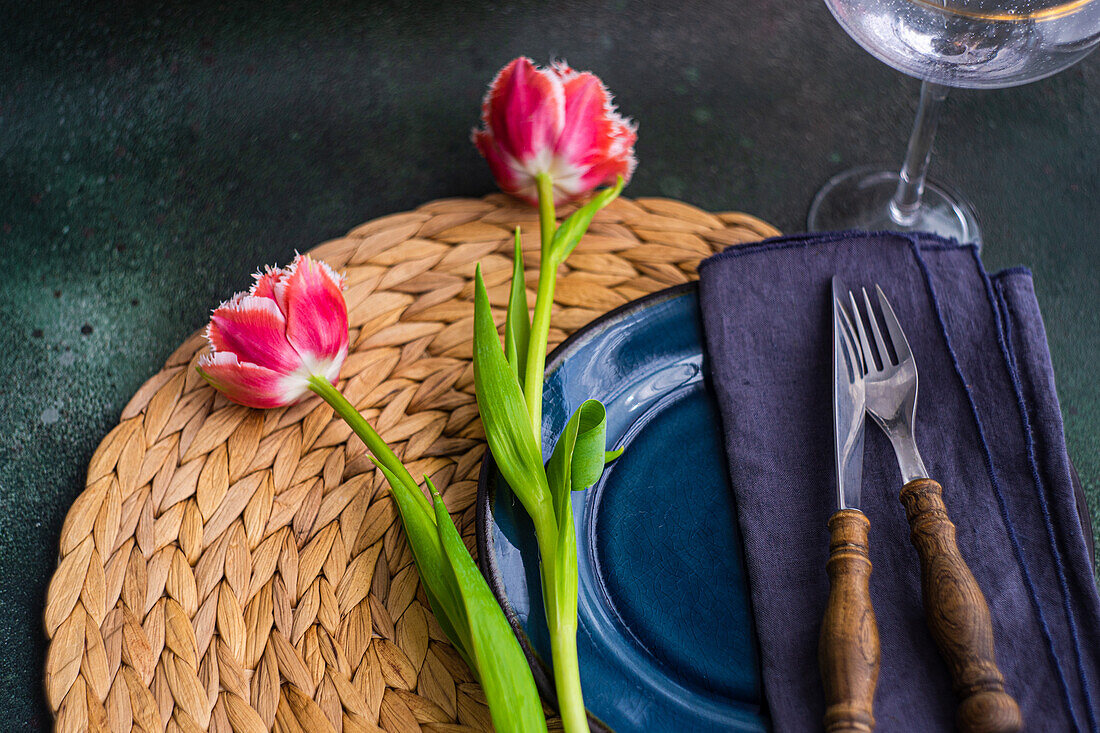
point(666, 639)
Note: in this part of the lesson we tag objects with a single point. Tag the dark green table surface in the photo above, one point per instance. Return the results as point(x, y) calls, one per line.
point(151, 160)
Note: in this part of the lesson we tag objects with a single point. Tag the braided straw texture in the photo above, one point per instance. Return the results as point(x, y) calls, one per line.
point(229, 569)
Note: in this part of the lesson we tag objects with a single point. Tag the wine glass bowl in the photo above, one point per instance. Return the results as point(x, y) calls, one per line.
point(977, 44)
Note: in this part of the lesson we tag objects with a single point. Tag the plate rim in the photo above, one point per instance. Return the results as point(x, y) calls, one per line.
point(486, 558)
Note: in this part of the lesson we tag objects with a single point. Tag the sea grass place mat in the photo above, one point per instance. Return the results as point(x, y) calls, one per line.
point(229, 569)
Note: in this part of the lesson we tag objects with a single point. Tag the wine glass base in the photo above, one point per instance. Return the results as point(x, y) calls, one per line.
point(860, 199)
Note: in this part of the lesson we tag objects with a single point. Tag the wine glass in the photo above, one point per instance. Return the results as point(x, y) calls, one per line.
point(945, 43)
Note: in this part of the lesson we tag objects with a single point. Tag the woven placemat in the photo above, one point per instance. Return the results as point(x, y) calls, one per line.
point(229, 569)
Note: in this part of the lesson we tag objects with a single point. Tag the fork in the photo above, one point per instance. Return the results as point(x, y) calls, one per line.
point(954, 607)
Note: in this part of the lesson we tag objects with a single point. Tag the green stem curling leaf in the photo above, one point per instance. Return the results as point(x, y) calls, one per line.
point(579, 456)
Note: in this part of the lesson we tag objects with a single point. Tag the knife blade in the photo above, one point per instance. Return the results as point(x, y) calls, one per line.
point(848, 650)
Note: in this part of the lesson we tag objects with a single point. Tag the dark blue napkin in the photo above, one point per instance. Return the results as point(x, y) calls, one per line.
point(989, 429)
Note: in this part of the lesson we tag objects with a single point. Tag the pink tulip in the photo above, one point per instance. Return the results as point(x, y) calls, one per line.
point(557, 122)
point(268, 342)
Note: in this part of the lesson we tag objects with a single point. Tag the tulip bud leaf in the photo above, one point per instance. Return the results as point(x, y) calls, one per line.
point(579, 456)
point(588, 452)
point(576, 224)
point(505, 677)
point(505, 418)
point(517, 325)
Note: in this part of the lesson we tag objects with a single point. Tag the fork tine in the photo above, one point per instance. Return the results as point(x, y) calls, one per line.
point(852, 350)
point(901, 344)
point(884, 355)
point(868, 357)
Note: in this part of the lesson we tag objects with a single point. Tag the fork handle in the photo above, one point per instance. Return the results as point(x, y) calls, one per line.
point(957, 615)
point(848, 650)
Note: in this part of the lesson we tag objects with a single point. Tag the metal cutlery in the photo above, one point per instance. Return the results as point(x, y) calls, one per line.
point(955, 609)
point(848, 651)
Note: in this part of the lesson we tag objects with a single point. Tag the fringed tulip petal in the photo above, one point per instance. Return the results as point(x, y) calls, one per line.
point(316, 313)
point(526, 107)
point(587, 131)
point(253, 329)
point(606, 171)
point(264, 287)
point(249, 384)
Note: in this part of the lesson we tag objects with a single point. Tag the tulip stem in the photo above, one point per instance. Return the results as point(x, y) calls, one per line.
point(567, 677)
point(540, 325)
point(547, 217)
point(366, 433)
point(560, 599)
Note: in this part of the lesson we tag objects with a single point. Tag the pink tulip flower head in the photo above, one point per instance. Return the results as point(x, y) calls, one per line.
point(556, 122)
point(268, 342)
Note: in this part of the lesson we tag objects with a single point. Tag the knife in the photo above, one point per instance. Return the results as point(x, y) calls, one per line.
point(848, 651)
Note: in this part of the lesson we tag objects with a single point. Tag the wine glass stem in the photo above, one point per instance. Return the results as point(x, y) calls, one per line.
point(905, 205)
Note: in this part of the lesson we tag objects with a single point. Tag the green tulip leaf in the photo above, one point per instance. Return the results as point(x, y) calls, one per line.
point(580, 454)
point(505, 418)
point(517, 325)
point(504, 674)
point(576, 224)
point(578, 458)
point(431, 563)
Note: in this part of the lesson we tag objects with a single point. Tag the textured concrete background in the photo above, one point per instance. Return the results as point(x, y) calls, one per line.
point(151, 159)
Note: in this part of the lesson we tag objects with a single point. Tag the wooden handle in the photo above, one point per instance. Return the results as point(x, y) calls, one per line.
point(957, 615)
point(848, 650)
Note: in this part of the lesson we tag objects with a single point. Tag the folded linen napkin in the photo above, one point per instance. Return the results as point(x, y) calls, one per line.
point(989, 429)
